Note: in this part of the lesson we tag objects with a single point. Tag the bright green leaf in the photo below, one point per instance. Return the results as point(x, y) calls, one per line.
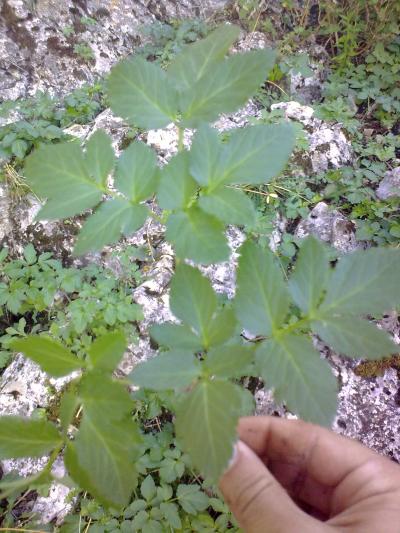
point(261, 301)
point(19, 148)
point(99, 156)
point(294, 369)
point(30, 254)
point(197, 58)
point(105, 226)
point(354, 337)
point(310, 275)
point(140, 92)
point(68, 406)
point(225, 87)
point(58, 172)
point(136, 175)
point(192, 299)
point(364, 282)
point(177, 186)
point(170, 370)
point(230, 361)
point(205, 424)
point(197, 236)
point(106, 352)
point(221, 328)
point(175, 336)
point(52, 357)
point(22, 437)
point(229, 205)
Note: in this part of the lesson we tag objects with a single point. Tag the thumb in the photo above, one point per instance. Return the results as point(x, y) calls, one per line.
point(259, 503)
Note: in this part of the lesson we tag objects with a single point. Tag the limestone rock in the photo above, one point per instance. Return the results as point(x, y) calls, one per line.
point(330, 226)
point(389, 187)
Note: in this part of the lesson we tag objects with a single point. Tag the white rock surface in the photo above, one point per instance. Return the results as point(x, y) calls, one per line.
point(389, 187)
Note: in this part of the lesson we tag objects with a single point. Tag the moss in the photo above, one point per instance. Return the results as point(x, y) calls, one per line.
point(373, 369)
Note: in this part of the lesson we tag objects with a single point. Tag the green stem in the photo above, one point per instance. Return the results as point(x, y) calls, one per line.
point(180, 139)
point(293, 327)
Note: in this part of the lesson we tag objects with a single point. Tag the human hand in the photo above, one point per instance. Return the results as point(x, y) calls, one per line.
point(288, 476)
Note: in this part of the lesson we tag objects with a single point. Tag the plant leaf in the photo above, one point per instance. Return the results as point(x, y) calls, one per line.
point(177, 186)
point(171, 514)
point(206, 425)
point(101, 395)
point(136, 175)
point(197, 236)
point(107, 351)
point(255, 154)
point(354, 337)
point(175, 336)
point(204, 154)
point(197, 58)
point(192, 299)
point(58, 172)
point(310, 275)
point(364, 282)
point(225, 87)
point(169, 370)
point(140, 92)
point(221, 328)
point(230, 361)
point(148, 488)
point(261, 301)
point(229, 205)
point(101, 458)
point(8, 488)
point(68, 406)
point(191, 498)
point(99, 157)
point(52, 357)
point(293, 368)
point(22, 437)
point(105, 226)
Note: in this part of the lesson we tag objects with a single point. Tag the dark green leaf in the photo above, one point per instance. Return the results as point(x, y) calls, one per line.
point(204, 154)
point(103, 396)
point(30, 254)
point(229, 205)
point(171, 514)
point(68, 406)
point(49, 354)
point(22, 437)
point(197, 236)
point(99, 157)
point(206, 425)
point(193, 300)
point(294, 369)
point(170, 370)
point(148, 488)
point(105, 226)
point(175, 336)
point(230, 361)
point(191, 498)
point(58, 172)
point(225, 86)
point(107, 351)
point(197, 58)
point(101, 459)
point(363, 282)
point(261, 301)
point(255, 154)
point(354, 337)
point(221, 328)
point(136, 175)
point(177, 186)
point(310, 275)
point(16, 486)
point(19, 148)
point(140, 92)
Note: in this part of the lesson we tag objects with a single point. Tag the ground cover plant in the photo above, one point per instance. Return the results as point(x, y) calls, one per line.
point(266, 331)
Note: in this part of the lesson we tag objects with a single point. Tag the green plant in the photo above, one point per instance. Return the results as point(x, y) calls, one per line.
point(84, 50)
point(202, 359)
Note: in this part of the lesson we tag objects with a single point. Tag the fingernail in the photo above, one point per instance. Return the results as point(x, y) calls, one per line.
point(235, 454)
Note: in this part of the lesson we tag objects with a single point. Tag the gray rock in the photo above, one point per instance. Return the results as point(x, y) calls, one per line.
point(389, 187)
point(330, 226)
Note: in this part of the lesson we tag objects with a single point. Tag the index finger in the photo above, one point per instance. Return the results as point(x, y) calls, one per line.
point(319, 453)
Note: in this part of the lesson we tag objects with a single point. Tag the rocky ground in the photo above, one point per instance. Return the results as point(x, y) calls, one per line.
point(35, 54)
